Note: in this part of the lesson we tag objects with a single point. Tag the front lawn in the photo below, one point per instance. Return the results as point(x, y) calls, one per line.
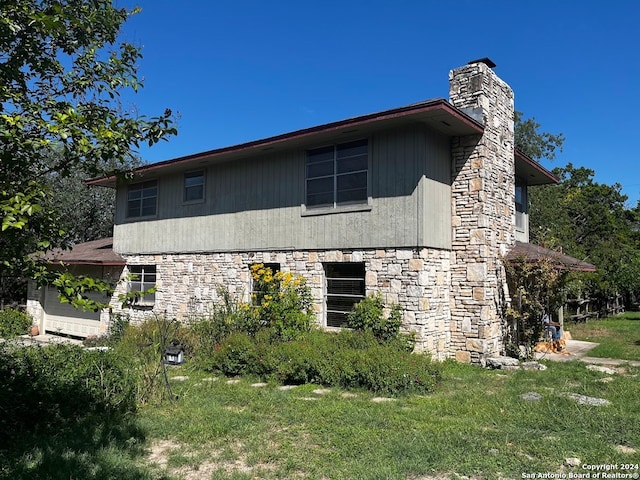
point(475, 424)
point(619, 336)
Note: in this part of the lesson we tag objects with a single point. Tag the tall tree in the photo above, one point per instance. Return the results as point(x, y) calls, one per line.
point(534, 143)
point(62, 70)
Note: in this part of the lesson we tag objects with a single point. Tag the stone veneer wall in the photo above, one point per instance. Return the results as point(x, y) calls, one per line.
point(483, 212)
point(416, 279)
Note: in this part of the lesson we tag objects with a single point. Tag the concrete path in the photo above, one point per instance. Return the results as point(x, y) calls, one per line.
point(578, 351)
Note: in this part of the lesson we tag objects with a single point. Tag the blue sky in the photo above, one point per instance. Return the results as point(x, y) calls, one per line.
point(239, 70)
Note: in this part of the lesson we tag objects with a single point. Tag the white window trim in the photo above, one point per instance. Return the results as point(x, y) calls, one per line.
point(143, 301)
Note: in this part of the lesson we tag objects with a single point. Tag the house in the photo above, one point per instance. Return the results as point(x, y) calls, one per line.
point(420, 203)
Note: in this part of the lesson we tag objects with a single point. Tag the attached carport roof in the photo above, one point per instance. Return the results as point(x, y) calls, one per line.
point(96, 252)
point(536, 253)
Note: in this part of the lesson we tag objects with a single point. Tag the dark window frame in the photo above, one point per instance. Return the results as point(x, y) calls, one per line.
point(195, 187)
point(344, 287)
point(139, 196)
point(337, 175)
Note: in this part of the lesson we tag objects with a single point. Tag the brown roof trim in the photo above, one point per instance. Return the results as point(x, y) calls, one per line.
point(536, 166)
point(535, 253)
point(416, 108)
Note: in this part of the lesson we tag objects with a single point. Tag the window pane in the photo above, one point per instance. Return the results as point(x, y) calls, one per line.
point(133, 209)
point(148, 207)
point(353, 164)
point(349, 196)
point(193, 181)
point(320, 185)
point(320, 199)
point(150, 192)
point(345, 288)
point(352, 181)
point(320, 169)
point(320, 155)
point(352, 148)
point(134, 194)
point(194, 193)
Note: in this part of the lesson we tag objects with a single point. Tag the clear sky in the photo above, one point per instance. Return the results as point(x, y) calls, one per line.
point(241, 70)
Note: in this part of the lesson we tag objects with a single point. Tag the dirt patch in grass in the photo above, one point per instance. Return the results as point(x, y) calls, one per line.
point(202, 467)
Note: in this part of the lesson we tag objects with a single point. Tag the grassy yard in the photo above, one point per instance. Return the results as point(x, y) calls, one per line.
point(619, 337)
point(476, 424)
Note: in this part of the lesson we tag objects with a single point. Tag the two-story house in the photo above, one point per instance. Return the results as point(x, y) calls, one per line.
point(420, 203)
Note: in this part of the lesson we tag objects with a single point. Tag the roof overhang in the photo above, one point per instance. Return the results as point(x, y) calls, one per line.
point(438, 114)
point(97, 252)
point(535, 253)
point(531, 172)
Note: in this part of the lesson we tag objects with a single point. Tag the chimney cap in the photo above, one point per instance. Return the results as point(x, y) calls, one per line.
point(486, 60)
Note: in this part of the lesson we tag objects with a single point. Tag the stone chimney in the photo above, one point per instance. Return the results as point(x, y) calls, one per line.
point(483, 211)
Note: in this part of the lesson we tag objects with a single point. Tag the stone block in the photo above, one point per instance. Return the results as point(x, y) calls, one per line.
point(476, 272)
point(415, 264)
point(404, 254)
point(463, 357)
point(371, 279)
point(475, 345)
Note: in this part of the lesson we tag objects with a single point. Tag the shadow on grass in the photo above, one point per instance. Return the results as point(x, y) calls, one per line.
point(93, 447)
point(68, 413)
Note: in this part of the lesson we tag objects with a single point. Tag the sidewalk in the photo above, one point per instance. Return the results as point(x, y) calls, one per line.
point(578, 351)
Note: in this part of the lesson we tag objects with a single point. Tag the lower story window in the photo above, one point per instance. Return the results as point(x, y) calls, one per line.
point(143, 281)
point(344, 288)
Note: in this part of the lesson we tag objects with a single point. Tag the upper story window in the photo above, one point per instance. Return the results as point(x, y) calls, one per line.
point(522, 206)
point(194, 186)
point(142, 199)
point(337, 174)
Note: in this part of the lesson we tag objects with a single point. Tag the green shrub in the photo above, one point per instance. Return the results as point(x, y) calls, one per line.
point(14, 323)
point(236, 355)
point(369, 315)
point(143, 345)
point(346, 359)
point(282, 301)
point(47, 386)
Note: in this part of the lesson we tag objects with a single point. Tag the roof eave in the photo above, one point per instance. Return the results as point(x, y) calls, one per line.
point(533, 172)
point(464, 125)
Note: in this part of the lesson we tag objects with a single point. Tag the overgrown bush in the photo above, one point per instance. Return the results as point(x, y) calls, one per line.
point(45, 386)
point(369, 315)
point(282, 301)
point(144, 345)
point(14, 323)
point(535, 288)
point(347, 359)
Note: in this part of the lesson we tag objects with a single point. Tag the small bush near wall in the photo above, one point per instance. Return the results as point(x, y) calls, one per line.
point(368, 315)
point(13, 323)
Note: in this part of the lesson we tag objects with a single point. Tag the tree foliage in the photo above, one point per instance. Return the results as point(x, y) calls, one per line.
point(62, 71)
point(590, 221)
point(534, 143)
point(586, 219)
